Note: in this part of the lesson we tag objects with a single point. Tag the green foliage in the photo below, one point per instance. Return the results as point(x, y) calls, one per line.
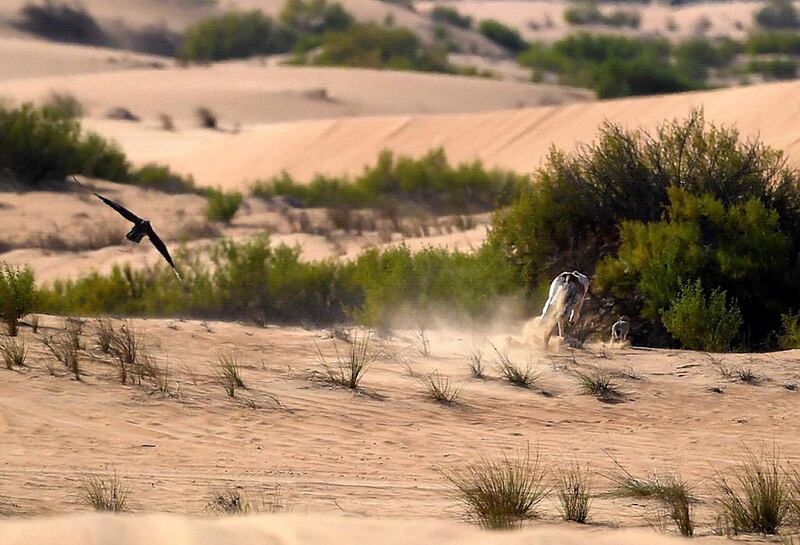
point(502, 35)
point(43, 143)
point(778, 14)
point(701, 323)
point(784, 42)
point(790, 333)
point(587, 13)
point(449, 15)
point(369, 45)
point(774, 69)
point(315, 16)
point(18, 296)
point(428, 182)
point(236, 35)
point(613, 66)
point(694, 56)
point(251, 280)
point(221, 205)
point(62, 21)
point(160, 177)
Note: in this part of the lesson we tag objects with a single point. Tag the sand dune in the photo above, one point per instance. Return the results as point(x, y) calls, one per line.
point(294, 529)
point(514, 139)
point(377, 454)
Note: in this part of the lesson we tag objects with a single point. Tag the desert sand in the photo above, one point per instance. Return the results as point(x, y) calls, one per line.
point(378, 453)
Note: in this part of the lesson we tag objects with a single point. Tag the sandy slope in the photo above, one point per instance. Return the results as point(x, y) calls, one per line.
point(378, 453)
point(294, 529)
point(514, 139)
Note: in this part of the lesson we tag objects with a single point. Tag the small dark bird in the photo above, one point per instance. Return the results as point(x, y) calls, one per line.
point(141, 228)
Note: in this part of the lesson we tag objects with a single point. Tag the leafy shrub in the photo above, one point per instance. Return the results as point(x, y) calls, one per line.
point(502, 35)
point(702, 323)
point(61, 21)
point(369, 45)
point(784, 42)
point(451, 16)
point(315, 16)
point(235, 35)
point(694, 56)
point(221, 205)
point(18, 296)
point(587, 13)
point(429, 182)
point(790, 331)
point(778, 14)
point(774, 69)
point(160, 177)
point(64, 105)
point(41, 143)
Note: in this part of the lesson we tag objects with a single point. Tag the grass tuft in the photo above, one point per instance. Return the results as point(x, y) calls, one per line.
point(14, 352)
point(475, 363)
point(126, 347)
point(501, 493)
point(105, 334)
point(234, 501)
point(63, 348)
point(107, 493)
point(439, 388)
point(228, 373)
point(599, 384)
point(526, 377)
point(573, 488)
point(348, 372)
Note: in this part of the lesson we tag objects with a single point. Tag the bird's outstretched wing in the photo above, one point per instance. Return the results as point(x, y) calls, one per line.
point(124, 212)
point(162, 248)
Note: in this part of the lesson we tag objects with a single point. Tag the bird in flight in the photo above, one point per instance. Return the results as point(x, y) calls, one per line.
point(141, 228)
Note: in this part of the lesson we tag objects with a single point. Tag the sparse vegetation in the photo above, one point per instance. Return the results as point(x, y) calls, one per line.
point(348, 371)
point(475, 363)
point(221, 205)
point(18, 296)
point(600, 384)
point(502, 35)
point(754, 496)
point(574, 491)
point(451, 16)
point(227, 372)
point(65, 105)
point(441, 389)
point(62, 21)
point(501, 493)
point(161, 178)
point(790, 331)
point(126, 347)
point(63, 348)
point(13, 351)
point(586, 12)
point(105, 493)
point(206, 118)
point(778, 14)
point(524, 377)
point(234, 501)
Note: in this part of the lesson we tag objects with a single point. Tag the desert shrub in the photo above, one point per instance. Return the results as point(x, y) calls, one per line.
point(703, 323)
point(235, 501)
point(13, 351)
point(347, 371)
point(778, 14)
point(120, 113)
point(790, 331)
point(524, 377)
point(127, 348)
point(62, 21)
point(235, 35)
point(167, 123)
point(429, 182)
point(501, 493)
point(451, 16)
point(315, 16)
point(774, 69)
point(600, 384)
point(755, 495)
point(154, 39)
point(780, 42)
point(105, 493)
point(64, 105)
point(41, 143)
point(369, 45)
point(222, 205)
point(206, 118)
point(587, 13)
point(62, 347)
point(160, 177)
point(694, 56)
point(18, 296)
point(502, 35)
point(104, 330)
point(613, 66)
point(573, 489)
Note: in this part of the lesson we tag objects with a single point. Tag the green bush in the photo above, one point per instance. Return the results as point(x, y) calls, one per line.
point(160, 177)
point(62, 21)
point(774, 69)
point(315, 16)
point(222, 205)
point(236, 35)
point(587, 13)
point(369, 45)
point(428, 182)
point(778, 14)
point(42, 143)
point(451, 16)
point(790, 332)
point(785, 43)
point(18, 296)
point(701, 323)
point(502, 35)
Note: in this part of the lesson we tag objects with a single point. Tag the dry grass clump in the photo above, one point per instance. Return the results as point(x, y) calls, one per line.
point(421, 341)
point(746, 375)
point(206, 117)
point(14, 352)
point(34, 320)
point(754, 496)
point(105, 493)
point(573, 488)
point(126, 345)
point(441, 389)
point(475, 363)
point(599, 384)
point(526, 377)
point(228, 374)
point(64, 349)
point(234, 501)
point(500, 493)
point(104, 330)
point(349, 371)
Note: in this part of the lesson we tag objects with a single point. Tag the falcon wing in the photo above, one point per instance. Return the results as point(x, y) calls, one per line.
point(161, 247)
point(124, 212)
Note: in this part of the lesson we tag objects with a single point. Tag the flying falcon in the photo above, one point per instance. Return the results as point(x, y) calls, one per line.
point(141, 228)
